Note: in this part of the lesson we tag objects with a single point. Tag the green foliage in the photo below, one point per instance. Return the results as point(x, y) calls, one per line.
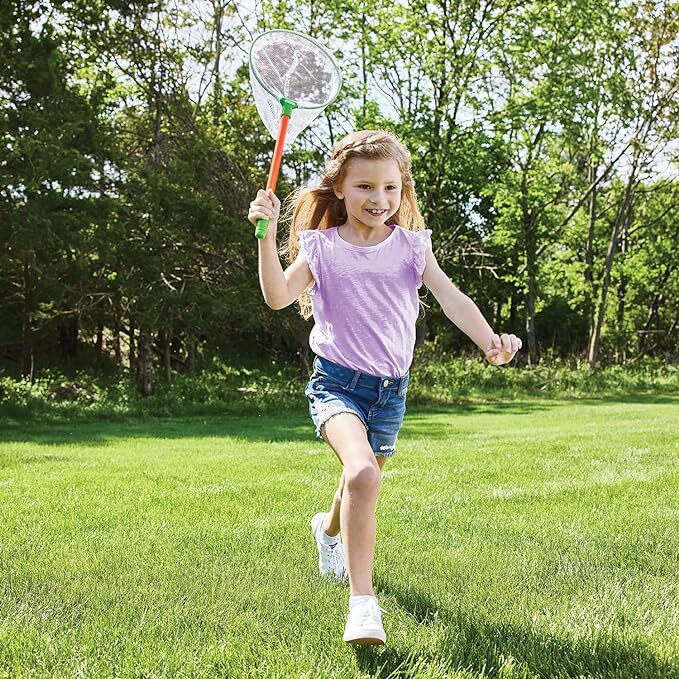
point(437, 378)
point(132, 147)
point(56, 141)
point(82, 393)
point(446, 380)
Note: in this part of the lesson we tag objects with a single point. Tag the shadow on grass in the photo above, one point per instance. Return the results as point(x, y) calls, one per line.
point(477, 644)
point(14, 460)
point(530, 405)
point(285, 425)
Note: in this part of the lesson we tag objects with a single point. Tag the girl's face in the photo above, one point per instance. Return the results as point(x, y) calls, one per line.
point(371, 190)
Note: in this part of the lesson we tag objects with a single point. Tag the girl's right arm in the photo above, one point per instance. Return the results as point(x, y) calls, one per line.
point(279, 288)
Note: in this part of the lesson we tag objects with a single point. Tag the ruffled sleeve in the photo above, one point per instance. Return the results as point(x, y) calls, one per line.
point(421, 240)
point(308, 244)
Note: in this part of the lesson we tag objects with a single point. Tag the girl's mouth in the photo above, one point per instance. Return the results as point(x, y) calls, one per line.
point(376, 213)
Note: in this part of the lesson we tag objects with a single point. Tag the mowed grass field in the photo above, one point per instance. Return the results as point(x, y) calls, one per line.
point(527, 539)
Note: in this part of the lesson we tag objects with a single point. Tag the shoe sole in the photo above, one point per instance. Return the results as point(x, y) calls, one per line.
point(372, 638)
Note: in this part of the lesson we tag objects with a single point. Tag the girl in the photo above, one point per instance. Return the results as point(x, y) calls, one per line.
point(359, 254)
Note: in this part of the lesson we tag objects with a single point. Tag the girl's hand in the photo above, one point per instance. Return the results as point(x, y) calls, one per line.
point(266, 206)
point(502, 348)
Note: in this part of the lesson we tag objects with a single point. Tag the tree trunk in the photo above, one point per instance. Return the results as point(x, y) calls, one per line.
point(531, 275)
point(421, 331)
point(496, 320)
point(589, 251)
point(513, 302)
point(27, 362)
point(99, 342)
point(67, 333)
point(145, 358)
point(133, 357)
point(623, 216)
point(116, 336)
point(165, 335)
point(621, 353)
point(218, 7)
point(191, 354)
point(532, 354)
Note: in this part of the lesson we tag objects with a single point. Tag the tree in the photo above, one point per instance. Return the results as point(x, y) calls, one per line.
point(654, 84)
point(56, 143)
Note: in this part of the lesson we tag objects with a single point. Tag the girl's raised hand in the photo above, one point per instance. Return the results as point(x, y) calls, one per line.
point(502, 348)
point(266, 206)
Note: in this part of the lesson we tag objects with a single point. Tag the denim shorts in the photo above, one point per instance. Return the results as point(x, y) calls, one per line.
point(379, 402)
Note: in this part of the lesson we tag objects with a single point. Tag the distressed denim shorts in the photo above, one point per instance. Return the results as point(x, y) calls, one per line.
point(379, 402)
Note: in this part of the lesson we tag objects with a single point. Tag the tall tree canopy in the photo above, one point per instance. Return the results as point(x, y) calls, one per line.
point(543, 135)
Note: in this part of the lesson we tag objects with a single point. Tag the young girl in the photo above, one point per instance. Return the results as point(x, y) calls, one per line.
point(361, 253)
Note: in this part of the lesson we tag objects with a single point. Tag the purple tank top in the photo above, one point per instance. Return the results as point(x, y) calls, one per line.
point(364, 298)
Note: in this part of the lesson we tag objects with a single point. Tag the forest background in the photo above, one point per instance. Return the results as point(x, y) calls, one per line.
point(544, 143)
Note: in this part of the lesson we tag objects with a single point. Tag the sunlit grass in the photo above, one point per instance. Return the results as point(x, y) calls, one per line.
point(531, 539)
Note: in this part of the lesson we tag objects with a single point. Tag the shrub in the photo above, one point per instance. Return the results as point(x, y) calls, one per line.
point(437, 378)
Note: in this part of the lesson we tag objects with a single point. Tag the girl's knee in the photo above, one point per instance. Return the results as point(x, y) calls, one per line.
point(363, 479)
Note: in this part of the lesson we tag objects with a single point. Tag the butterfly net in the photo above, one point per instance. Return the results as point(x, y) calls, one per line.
point(296, 67)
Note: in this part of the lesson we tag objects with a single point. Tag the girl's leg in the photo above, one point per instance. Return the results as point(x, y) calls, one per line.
point(332, 521)
point(348, 438)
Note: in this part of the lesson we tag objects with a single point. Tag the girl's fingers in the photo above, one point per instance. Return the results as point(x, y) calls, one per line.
point(263, 202)
point(265, 206)
point(262, 205)
point(503, 348)
point(261, 215)
point(257, 212)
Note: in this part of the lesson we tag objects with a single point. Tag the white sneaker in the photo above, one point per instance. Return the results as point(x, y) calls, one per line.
point(364, 624)
point(330, 558)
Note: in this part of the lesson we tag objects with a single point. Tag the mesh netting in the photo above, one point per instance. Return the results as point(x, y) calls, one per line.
point(294, 66)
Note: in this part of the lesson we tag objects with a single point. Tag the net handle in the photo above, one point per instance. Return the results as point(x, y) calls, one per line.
point(288, 106)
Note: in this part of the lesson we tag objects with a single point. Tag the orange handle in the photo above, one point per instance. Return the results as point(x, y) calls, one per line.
point(262, 224)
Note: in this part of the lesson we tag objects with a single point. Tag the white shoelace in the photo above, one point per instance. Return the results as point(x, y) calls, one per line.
point(368, 613)
point(336, 561)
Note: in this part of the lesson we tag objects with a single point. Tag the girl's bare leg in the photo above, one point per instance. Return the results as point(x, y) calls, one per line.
point(332, 521)
point(356, 496)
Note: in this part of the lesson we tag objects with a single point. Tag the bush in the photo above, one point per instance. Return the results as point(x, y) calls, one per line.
point(222, 389)
point(437, 378)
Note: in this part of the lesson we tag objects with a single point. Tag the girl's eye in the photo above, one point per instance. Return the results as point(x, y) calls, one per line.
point(363, 186)
point(391, 187)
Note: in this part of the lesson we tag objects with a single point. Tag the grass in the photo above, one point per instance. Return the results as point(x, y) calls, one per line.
point(519, 539)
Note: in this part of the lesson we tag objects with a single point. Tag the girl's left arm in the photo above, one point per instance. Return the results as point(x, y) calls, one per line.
point(462, 311)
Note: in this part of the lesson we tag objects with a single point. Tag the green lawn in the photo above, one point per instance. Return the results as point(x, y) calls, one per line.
point(531, 539)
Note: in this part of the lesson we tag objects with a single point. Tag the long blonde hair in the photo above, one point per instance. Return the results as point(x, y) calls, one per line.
point(319, 208)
